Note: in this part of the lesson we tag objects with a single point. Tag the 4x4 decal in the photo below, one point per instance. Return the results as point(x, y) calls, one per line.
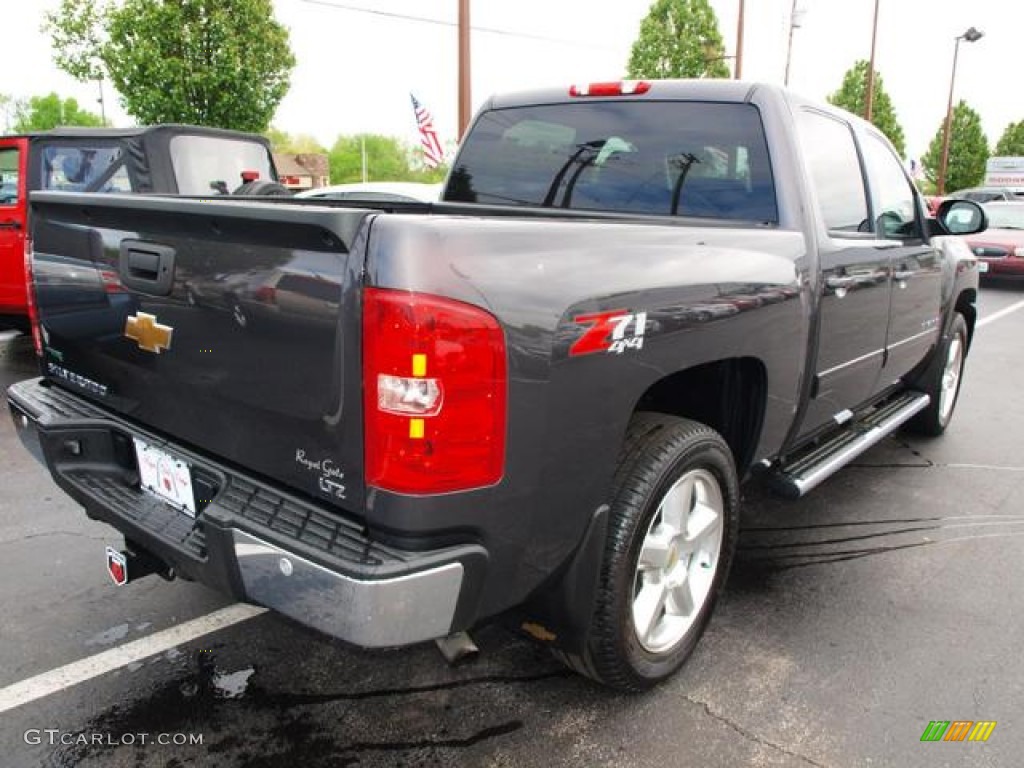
point(608, 332)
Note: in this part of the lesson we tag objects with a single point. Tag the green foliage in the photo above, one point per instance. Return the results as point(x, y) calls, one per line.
point(853, 97)
point(77, 34)
point(386, 159)
point(1011, 143)
point(294, 144)
point(968, 151)
point(41, 113)
point(678, 38)
point(224, 63)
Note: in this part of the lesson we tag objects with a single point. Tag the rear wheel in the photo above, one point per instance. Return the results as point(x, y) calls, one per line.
point(942, 381)
point(672, 533)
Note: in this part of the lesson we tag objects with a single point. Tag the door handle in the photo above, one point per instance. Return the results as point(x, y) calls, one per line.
point(902, 274)
point(147, 267)
point(10, 224)
point(840, 282)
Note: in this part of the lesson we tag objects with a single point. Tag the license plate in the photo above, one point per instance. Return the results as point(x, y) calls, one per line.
point(983, 266)
point(166, 477)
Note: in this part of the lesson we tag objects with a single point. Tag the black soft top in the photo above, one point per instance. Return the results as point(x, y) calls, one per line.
point(146, 150)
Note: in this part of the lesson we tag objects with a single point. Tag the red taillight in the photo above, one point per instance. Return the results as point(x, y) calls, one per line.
point(30, 300)
point(266, 294)
point(434, 393)
point(615, 88)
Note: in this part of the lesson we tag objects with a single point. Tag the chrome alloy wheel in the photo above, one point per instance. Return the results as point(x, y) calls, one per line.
point(951, 377)
point(678, 561)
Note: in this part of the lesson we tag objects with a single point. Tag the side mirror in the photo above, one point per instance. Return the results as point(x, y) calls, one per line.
point(961, 217)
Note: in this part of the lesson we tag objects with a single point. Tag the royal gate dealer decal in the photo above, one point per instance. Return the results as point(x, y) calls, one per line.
point(611, 332)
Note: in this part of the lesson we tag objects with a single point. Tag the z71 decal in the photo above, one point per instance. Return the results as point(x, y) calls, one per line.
point(609, 332)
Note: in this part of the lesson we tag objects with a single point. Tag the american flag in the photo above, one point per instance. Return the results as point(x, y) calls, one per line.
point(433, 152)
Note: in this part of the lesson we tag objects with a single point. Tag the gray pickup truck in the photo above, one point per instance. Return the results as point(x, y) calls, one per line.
point(534, 400)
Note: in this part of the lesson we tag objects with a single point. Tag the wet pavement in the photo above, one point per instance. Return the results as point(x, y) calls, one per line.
point(890, 597)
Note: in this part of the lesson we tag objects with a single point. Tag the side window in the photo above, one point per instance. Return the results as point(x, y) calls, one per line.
point(835, 171)
point(9, 176)
point(895, 208)
point(76, 168)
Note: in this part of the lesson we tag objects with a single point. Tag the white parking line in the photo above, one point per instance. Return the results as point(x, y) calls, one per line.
point(76, 672)
point(1000, 314)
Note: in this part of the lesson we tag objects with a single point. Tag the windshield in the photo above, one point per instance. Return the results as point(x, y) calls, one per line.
point(665, 158)
point(1005, 216)
point(205, 165)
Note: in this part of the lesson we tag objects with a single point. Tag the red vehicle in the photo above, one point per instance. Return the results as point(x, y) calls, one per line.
point(1000, 248)
point(172, 159)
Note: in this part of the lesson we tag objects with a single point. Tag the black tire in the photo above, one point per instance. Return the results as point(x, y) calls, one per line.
point(262, 188)
point(934, 419)
point(660, 455)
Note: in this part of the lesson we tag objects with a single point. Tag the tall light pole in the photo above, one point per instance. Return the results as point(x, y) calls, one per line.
point(465, 101)
point(972, 35)
point(870, 98)
point(739, 41)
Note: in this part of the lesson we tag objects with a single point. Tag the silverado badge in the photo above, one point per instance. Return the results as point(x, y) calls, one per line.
point(148, 333)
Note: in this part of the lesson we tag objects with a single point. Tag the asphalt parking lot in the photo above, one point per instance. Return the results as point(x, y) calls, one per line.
point(892, 596)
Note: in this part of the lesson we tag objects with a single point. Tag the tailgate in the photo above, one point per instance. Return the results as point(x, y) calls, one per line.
point(225, 326)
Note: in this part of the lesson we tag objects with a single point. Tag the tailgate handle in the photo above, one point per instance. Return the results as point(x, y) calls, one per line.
point(147, 267)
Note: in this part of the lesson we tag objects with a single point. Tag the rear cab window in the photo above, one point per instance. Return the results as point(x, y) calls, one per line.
point(206, 165)
point(678, 158)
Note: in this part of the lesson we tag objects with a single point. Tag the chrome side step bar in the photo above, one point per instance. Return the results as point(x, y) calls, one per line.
point(810, 467)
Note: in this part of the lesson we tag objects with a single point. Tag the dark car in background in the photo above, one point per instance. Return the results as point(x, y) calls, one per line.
point(1000, 248)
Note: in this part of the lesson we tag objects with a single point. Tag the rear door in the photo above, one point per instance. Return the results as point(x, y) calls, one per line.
point(13, 207)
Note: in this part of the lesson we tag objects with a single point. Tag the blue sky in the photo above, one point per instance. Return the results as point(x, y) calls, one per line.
point(355, 69)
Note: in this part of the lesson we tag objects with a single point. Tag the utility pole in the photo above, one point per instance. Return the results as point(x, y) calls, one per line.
point(870, 98)
point(789, 49)
point(102, 101)
point(465, 100)
point(739, 41)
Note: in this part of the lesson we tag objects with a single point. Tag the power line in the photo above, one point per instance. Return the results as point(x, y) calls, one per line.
point(442, 23)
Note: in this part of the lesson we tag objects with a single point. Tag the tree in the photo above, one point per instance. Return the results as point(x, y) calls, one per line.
point(678, 38)
point(224, 63)
point(386, 159)
point(968, 151)
point(852, 96)
point(41, 113)
point(1011, 143)
point(294, 144)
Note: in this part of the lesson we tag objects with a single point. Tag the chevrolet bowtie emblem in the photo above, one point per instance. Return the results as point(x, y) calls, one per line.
point(148, 333)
